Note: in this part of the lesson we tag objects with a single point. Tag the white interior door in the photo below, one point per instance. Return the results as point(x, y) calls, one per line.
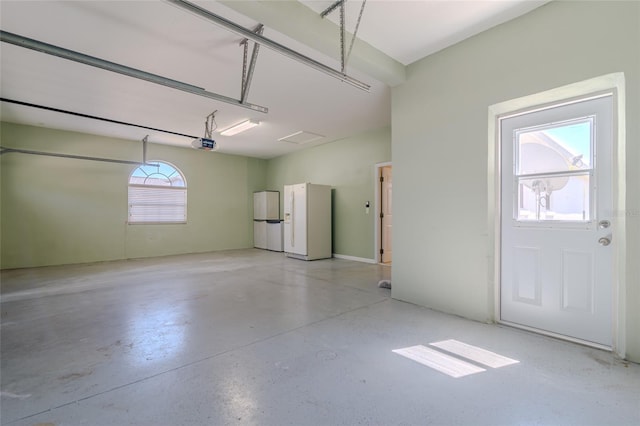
point(557, 228)
point(386, 214)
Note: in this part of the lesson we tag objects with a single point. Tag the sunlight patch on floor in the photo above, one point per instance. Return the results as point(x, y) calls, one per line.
point(455, 366)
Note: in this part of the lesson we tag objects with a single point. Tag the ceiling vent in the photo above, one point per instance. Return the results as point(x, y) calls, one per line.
point(301, 137)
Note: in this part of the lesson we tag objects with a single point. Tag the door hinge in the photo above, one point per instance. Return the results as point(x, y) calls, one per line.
point(381, 178)
point(381, 251)
point(381, 215)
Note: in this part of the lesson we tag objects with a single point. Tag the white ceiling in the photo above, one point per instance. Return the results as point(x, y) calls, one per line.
point(161, 38)
point(410, 30)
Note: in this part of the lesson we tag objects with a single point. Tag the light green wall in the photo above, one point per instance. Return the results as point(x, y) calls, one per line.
point(348, 165)
point(63, 211)
point(441, 247)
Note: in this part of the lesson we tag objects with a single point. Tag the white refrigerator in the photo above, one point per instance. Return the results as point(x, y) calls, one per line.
point(307, 221)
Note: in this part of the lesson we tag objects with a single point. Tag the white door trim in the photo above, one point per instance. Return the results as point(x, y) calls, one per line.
point(376, 222)
point(610, 83)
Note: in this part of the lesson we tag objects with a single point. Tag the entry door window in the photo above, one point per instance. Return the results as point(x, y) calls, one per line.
point(554, 172)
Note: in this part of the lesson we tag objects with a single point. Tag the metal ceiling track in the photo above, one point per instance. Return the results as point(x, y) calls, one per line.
point(71, 55)
point(5, 150)
point(145, 140)
point(257, 38)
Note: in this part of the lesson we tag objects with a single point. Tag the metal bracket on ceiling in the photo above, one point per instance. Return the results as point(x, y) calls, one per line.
point(144, 149)
point(210, 125)
point(270, 44)
point(331, 8)
point(247, 72)
point(344, 55)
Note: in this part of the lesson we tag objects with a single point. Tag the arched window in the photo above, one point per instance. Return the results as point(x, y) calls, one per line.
point(157, 194)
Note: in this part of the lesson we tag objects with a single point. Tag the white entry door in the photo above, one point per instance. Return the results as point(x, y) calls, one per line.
point(557, 227)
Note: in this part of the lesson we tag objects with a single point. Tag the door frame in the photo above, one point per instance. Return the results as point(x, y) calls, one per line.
point(613, 84)
point(377, 223)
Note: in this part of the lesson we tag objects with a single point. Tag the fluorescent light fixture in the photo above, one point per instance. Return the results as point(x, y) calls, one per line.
point(240, 127)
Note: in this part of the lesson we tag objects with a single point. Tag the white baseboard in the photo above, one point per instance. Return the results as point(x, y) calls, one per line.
point(354, 258)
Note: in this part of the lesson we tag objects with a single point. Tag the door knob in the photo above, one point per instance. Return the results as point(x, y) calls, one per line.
point(604, 241)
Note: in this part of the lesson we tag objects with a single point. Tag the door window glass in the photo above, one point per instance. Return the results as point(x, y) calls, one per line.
point(553, 172)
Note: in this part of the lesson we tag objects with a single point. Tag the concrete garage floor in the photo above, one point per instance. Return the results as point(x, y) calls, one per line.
point(249, 337)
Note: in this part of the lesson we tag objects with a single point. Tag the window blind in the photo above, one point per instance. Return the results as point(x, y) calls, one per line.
point(152, 204)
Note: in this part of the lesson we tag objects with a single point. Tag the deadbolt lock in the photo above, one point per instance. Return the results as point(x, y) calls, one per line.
point(604, 224)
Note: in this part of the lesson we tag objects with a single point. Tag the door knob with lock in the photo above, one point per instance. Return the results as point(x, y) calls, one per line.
point(604, 241)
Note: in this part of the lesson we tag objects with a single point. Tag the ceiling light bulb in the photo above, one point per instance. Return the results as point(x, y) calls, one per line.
point(240, 127)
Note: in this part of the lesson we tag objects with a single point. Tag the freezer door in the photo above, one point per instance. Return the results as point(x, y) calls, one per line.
point(295, 219)
point(287, 208)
